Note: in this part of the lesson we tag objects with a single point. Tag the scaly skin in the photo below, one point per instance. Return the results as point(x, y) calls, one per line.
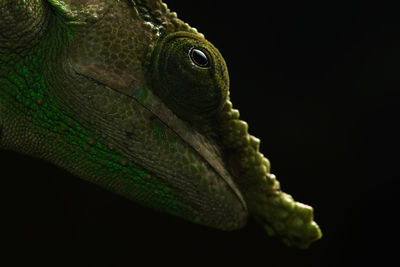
point(129, 97)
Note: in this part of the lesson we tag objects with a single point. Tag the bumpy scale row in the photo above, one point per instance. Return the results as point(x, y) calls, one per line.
point(276, 210)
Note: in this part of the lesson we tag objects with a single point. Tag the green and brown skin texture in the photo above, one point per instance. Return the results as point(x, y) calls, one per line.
point(127, 96)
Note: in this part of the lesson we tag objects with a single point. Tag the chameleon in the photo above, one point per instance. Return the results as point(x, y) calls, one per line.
point(125, 95)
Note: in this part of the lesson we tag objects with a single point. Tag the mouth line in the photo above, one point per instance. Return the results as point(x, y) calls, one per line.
point(197, 141)
point(191, 137)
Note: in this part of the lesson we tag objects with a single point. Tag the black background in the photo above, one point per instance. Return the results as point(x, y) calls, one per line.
point(318, 83)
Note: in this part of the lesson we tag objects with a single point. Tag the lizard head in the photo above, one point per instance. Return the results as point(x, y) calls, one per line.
point(152, 88)
point(139, 104)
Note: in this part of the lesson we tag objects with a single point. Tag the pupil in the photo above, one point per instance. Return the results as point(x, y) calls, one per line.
point(199, 57)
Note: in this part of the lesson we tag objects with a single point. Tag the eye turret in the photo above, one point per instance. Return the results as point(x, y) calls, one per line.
point(189, 74)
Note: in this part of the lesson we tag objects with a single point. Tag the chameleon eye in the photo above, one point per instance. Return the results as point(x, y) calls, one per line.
point(199, 57)
point(189, 75)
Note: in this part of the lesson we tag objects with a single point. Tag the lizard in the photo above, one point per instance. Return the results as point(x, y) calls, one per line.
point(124, 94)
